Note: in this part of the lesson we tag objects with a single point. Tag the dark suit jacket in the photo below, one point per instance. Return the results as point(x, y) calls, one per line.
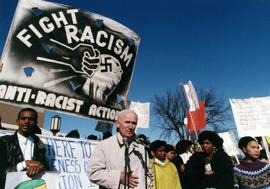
point(11, 155)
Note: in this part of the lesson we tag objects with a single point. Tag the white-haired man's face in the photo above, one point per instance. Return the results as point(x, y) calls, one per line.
point(127, 123)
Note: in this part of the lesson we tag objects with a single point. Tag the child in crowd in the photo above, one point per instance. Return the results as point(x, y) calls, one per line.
point(170, 152)
point(183, 151)
point(165, 173)
point(251, 172)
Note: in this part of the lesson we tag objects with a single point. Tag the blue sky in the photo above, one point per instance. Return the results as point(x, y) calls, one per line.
point(222, 45)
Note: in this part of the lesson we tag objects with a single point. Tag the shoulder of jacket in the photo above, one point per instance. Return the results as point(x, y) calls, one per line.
point(36, 138)
point(222, 153)
point(198, 154)
point(107, 141)
point(7, 137)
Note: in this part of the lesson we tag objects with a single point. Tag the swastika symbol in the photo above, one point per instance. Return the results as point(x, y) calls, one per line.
point(106, 66)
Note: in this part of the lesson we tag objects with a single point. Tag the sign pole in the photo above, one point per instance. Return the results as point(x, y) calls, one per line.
point(266, 147)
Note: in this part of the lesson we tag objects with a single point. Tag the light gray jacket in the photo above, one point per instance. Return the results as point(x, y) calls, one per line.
point(108, 160)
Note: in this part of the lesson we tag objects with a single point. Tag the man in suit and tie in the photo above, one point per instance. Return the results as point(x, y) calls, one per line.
point(22, 151)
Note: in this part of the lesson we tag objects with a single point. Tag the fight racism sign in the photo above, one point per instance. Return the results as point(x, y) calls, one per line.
point(66, 59)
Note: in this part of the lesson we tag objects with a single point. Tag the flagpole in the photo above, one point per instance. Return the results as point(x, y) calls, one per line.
point(186, 96)
point(196, 134)
point(266, 147)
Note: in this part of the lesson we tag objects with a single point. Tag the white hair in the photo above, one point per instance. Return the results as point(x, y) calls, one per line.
point(126, 111)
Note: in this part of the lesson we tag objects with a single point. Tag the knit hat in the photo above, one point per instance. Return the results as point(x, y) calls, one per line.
point(243, 142)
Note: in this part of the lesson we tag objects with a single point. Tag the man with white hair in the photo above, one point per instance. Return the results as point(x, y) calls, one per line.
point(120, 161)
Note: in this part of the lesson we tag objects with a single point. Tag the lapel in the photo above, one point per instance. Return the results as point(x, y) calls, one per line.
point(16, 150)
point(39, 147)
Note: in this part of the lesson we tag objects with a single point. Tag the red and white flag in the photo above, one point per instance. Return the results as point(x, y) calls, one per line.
point(197, 119)
point(196, 112)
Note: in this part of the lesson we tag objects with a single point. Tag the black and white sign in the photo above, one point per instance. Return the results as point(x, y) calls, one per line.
point(67, 59)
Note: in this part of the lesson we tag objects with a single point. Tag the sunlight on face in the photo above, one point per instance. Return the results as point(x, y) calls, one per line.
point(127, 124)
point(26, 122)
point(207, 146)
point(170, 155)
point(252, 149)
point(160, 153)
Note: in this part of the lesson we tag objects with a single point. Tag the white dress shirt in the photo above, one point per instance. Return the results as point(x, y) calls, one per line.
point(27, 148)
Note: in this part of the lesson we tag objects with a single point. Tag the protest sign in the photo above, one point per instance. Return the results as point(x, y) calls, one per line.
point(66, 59)
point(143, 112)
point(69, 157)
point(19, 180)
point(252, 116)
point(229, 143)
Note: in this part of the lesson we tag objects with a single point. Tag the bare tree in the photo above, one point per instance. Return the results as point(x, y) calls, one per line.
point(171, 109)
point(217, 110)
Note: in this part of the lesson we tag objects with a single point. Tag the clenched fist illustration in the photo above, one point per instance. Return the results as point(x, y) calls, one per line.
point(91, 61)
point(100, 73)
point(82, 59)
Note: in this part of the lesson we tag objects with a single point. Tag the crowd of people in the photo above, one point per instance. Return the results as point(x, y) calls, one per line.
point(128, 161)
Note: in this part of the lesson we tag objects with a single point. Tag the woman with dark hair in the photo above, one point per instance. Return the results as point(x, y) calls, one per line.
point(211, 168)
point(183, 152)
point(251, 172)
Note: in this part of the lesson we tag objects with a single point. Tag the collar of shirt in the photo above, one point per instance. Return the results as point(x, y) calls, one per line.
point(185, 156)
point(121, 143)
point(23, 140)
point(158, 161)
point(120, 139)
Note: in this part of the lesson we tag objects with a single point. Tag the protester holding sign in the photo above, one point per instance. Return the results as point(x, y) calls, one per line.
point(23, 151)
point(121, 161)
point(211, 168)
point(251, 172)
